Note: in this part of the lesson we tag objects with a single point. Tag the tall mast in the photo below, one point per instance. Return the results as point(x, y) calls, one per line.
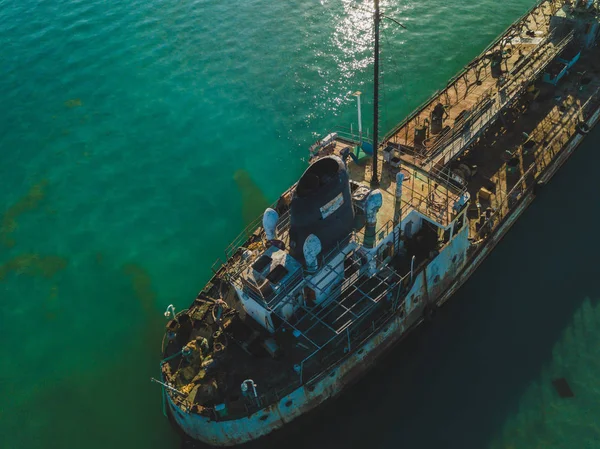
point(377, 18)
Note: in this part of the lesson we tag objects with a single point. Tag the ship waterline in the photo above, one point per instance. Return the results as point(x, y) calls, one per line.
point(338, 271)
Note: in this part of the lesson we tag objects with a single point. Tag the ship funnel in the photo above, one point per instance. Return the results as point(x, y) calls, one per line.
point(321, 205)
point(373, 203)
point(398, 202)
point(269, 221)
point(312, 249)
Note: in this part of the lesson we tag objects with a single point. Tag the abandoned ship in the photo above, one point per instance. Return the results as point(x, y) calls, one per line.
point(362, 249)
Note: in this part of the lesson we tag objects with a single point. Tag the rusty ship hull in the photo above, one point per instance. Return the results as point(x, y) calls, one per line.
point(455, 176)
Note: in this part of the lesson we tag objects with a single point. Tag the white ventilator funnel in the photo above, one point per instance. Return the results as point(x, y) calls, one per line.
point(269, 221)
point(374, 202)
point(312, 249)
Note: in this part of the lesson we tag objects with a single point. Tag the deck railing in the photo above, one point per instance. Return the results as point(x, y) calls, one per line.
point(545, 156)
point(454, 79)
point(338, 349)
point(490, 104)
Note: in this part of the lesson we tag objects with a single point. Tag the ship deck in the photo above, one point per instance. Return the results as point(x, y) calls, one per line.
point(524, 126)
point(314, 339)
point(516, 149)
point(475, 96)
point(431, 195)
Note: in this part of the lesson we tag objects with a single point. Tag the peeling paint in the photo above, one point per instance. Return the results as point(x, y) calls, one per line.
point(434, 283)
point(328, 384)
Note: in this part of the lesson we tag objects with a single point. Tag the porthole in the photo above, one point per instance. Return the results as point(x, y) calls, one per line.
point(361, 350)
point(263, 417)
point(288, 403)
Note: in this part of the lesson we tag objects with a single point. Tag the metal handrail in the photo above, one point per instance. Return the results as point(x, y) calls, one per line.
point(517, 191)
point(509, 95)
point(449, 84)
point(332, 360)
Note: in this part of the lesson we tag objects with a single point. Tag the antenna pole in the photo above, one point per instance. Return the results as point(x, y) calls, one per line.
point(377, 19)
point(359, 118)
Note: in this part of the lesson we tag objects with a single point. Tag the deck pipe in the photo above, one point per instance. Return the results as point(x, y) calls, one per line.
point(248, 388)
point(398, 211)
point(398, 202)
point(171, 310)
point(373, 203)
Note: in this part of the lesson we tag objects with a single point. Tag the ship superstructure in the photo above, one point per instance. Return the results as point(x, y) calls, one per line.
point(340, 268)
point(333, 260)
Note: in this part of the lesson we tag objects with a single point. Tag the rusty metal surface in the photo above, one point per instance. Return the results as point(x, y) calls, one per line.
point(332, 383)
point(435, 280)
point(476, 259)
point(306, 398)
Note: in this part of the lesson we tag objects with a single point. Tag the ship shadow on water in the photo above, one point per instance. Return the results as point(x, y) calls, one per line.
point(453, 383)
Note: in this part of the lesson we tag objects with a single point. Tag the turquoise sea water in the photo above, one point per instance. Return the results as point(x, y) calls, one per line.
point(138, 138)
